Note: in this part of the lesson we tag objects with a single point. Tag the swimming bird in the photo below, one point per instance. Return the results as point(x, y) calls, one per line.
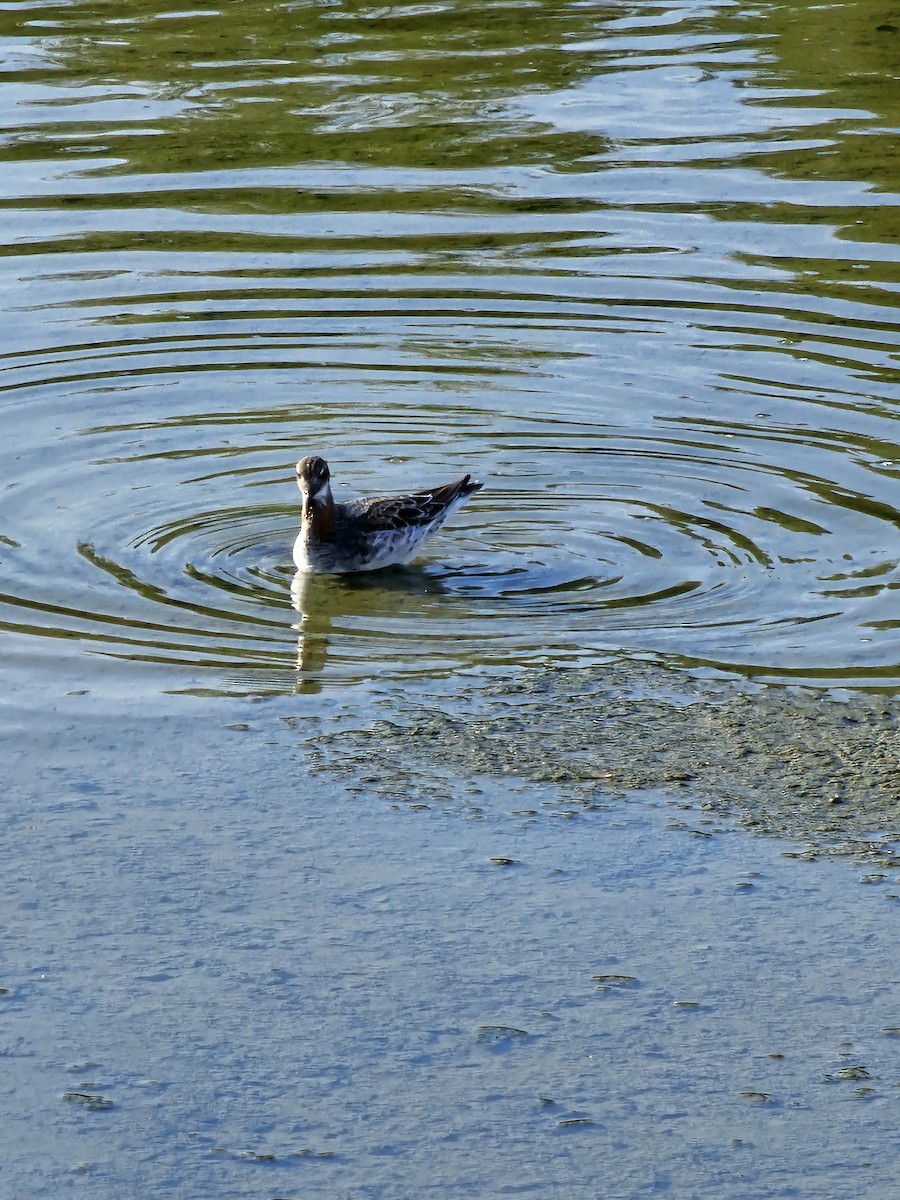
point(365, 534)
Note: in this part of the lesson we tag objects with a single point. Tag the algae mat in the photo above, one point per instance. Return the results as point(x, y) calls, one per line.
point(802, 764)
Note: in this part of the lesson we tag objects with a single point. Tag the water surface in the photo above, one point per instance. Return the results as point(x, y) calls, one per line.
point(378, 896)
point(636, 266)
point(239, 982)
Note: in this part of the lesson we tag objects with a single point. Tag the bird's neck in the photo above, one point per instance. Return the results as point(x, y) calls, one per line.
point(318, 517)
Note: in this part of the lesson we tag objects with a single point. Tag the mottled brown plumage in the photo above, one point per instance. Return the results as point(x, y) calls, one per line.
point(366, 534)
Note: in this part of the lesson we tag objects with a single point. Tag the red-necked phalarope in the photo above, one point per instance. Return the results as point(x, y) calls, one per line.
point(363, 535)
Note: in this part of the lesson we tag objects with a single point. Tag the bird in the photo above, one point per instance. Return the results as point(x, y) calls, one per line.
point(369, 533)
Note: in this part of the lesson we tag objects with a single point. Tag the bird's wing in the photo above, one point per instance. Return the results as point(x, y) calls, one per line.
point(418, 508)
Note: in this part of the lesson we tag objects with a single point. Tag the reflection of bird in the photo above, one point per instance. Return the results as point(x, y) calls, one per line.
point(363, 535)
point(312, 629)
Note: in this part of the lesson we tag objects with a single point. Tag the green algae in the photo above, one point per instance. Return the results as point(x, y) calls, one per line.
point(803, 765)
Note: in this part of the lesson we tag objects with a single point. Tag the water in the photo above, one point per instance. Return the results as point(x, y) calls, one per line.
point(624, 264)
point(219, 984)
point(634, 266)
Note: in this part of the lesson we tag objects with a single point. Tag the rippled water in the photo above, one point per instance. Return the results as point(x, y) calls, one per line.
point(636, 266)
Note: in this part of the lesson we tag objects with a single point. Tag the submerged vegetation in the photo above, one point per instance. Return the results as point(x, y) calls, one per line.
point(793, 763)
